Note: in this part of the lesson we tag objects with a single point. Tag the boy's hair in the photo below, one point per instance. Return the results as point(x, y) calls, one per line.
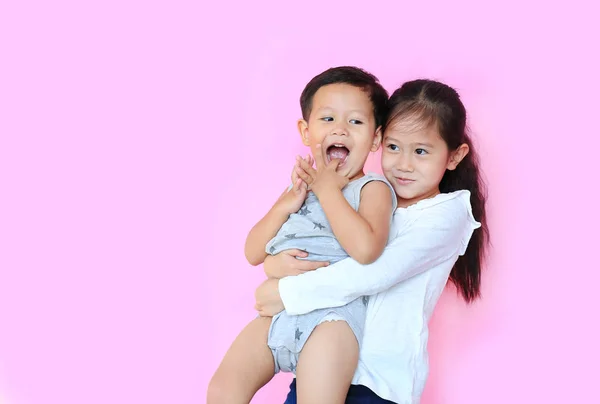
point(353, 76)
point(435, 103)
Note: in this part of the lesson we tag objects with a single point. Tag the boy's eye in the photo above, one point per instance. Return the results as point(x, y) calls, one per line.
point(393, 147)
point(327, 119)
point(356, 121)
point(421, 152)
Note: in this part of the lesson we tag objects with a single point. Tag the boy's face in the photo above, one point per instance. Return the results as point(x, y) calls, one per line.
point(342, 122)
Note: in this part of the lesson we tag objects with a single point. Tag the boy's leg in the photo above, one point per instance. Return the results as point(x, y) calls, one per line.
point(326, 364)
point(247, 366)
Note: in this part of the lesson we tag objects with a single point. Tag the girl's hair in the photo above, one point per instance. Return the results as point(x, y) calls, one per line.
point(438, 104)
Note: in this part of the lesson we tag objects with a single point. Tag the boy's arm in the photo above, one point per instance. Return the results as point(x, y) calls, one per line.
point(262, 232)
point(289, 202)
point(362, 234)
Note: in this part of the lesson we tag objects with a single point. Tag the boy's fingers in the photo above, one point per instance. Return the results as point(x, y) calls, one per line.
point(307, 167)
point(333, 164)
point(303, 175)
point(298, 185)
point(319, 160)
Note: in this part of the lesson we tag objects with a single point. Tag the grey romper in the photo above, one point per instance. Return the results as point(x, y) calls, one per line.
point(309, 230)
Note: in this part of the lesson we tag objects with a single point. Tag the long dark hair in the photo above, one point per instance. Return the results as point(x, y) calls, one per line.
point(439, 104)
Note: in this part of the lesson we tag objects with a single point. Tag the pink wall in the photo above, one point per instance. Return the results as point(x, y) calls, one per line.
point(140, 141)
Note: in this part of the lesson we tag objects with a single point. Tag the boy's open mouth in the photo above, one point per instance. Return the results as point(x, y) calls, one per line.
point(337, 151)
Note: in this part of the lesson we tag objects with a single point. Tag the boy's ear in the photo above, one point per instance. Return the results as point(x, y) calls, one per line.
point(303, 129)
point(377, 140)
point(457, 156)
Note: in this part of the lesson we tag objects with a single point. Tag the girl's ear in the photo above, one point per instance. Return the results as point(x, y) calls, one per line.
point(457, 156)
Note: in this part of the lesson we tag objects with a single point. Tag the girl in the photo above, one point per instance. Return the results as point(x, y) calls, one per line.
point(439, 232)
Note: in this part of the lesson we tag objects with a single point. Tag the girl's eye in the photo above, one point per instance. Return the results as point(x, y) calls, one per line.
point(356, 121)
point(421, 152)
point(327, 119)
point(393, 147)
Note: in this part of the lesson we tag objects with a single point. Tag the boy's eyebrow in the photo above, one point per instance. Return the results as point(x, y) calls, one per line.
point(351, 111)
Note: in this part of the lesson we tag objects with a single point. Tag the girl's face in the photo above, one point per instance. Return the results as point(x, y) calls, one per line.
point(415, 158)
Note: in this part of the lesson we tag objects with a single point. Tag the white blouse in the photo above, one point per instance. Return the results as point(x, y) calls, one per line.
point(405, 284)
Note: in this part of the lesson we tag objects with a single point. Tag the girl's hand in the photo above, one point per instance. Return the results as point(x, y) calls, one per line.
point(268, 300)
point(324, 178)
point(286, 263)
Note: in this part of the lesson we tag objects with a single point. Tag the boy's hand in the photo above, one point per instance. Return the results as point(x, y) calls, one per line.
point(309, 160)
point(325, 177)
point(291, 201)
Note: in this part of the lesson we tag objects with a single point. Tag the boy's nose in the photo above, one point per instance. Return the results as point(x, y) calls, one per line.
point(340, 131)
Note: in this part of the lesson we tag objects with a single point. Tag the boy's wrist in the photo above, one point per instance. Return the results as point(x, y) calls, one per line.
point(326, 193)
point(281, 211)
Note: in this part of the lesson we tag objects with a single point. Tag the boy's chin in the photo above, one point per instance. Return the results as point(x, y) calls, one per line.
point(347, 172)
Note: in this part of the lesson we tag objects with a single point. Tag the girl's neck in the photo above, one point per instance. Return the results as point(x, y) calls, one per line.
point(405, 203)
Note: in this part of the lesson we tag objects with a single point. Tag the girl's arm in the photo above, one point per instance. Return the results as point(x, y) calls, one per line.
point(441, 233)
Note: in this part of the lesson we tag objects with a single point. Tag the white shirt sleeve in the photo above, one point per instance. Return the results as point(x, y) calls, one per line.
point(440, 232)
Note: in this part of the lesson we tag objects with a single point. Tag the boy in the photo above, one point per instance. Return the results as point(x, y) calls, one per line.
point(344, 213)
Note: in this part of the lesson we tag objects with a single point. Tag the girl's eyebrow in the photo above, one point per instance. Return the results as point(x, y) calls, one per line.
point(393, 139)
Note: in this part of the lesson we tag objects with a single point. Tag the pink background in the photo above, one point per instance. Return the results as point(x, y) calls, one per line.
point(141, 140)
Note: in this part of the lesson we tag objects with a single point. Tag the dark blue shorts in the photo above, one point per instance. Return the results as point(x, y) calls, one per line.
point(356, 395)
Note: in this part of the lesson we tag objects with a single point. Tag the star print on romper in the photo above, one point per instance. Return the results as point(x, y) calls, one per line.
point(318, 225)
point(304, 211)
